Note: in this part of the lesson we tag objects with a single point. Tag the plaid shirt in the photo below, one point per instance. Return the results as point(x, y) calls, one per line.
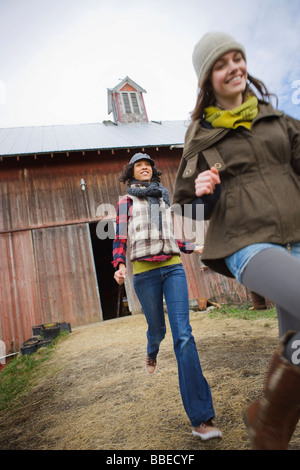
point(124, 210)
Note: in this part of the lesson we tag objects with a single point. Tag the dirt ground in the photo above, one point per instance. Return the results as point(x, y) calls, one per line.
point(94, 393)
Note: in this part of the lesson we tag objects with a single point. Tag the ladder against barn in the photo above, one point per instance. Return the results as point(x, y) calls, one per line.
point(126, 102)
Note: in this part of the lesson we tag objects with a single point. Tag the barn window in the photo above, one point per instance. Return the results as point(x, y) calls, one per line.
point(134, 103)
point(131, 104)
point(126, 102)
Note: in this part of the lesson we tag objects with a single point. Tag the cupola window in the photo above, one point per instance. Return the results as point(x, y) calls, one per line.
point(131, 104)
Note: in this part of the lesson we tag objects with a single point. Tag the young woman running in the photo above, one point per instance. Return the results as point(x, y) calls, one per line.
point(143, 216)
point(242, 161)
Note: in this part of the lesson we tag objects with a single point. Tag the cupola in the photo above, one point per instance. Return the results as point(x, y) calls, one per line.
point(126, 102)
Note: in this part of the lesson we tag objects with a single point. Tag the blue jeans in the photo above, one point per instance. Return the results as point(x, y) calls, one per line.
point(170, 282)
point(237, 262)
point(287, 312)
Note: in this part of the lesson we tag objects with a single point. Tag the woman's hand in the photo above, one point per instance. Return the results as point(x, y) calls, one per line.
point(198, 249)
point(120, 274)
point(206, 181)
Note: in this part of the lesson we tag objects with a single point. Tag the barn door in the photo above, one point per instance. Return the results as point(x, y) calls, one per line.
point(19, 301)
point(66, 274)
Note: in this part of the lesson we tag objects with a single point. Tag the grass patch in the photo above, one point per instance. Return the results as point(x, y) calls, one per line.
point(19, 373)
point(242, 313)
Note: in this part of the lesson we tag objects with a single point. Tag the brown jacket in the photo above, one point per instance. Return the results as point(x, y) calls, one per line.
point(260, 183)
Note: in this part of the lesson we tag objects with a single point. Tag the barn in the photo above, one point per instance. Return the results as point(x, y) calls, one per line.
point(59, 187)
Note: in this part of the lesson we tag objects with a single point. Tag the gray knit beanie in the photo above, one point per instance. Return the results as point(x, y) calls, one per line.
point(209, 49)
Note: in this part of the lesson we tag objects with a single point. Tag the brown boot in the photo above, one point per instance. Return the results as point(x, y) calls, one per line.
point(271, 419)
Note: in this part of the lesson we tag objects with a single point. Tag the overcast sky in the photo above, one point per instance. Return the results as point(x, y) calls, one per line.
point(58, 57)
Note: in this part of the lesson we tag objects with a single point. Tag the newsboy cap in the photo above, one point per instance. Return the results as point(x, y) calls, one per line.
point(141, 156)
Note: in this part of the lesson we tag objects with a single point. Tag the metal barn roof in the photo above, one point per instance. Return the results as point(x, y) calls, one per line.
point(64, 138)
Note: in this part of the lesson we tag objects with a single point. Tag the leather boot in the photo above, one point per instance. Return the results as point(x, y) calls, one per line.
point(271, 419)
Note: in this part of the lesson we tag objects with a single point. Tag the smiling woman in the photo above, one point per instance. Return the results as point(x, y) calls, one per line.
point(245, 157)
point(142, 170)
point(143, 215)
point(228, 79)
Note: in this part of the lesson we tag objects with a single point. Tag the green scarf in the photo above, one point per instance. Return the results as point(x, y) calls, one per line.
point(232, 118)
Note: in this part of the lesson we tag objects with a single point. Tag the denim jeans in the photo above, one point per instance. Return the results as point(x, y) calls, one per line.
point(237, 262)
point(288, 317)
point(170, 282)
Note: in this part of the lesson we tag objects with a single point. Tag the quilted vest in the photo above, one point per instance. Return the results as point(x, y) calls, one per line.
point(145, 237)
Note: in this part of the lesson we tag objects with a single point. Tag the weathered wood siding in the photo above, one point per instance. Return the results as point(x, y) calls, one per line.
point(46, 275)
point(47, 271)
point(19, 299)
point(65, 275)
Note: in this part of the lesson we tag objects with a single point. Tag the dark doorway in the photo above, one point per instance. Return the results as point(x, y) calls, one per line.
point(113, 296)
